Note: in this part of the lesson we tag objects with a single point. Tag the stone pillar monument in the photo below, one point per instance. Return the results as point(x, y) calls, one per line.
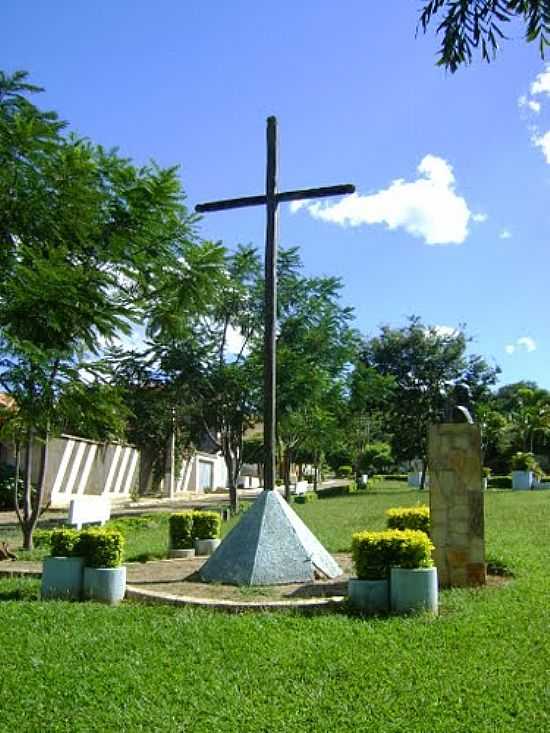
point(456, 503)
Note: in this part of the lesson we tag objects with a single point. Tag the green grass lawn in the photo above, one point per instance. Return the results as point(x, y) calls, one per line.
point(483, 665)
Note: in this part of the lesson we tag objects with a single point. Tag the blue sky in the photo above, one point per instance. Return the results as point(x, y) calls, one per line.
point(452, 217)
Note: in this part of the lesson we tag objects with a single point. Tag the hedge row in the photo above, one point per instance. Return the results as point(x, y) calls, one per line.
point(185, 527)
point(344, 490)
point(306, 498)
point(390, 477)
point(411, 517)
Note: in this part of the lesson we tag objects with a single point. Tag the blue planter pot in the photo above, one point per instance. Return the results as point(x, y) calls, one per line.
point(62, 578)
point(106, 585)
point(413, 590)
point(522, 480)
point(370, 596)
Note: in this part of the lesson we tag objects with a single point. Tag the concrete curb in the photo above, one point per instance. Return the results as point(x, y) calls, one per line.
point(19, 573)
point(310, 605)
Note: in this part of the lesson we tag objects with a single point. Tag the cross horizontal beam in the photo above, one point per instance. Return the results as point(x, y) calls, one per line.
point(306, 193)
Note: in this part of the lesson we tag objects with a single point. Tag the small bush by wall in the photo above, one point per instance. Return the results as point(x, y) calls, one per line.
point(206, 525)
point(410, 517)
point(344, 472)
point(181, 530)
point(499, 482)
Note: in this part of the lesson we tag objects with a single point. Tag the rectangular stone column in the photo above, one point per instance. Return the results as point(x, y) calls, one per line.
point(457, 524)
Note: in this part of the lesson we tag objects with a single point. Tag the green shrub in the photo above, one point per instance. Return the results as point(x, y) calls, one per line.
point(486, 472)
point(344, 490)
point(181, 530)
point(42, 537)
point(306, 498)
point(524, 462)
point(7, 486)
point(344, 472)
point(206, 525)
point(374, 553)
point(101, 548)
point(64, 542)
point(410, 517)
point(499, 482)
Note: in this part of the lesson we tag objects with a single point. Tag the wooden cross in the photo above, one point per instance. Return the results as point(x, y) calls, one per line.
point(271, 200)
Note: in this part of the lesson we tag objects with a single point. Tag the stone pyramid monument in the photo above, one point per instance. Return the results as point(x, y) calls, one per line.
point(269, 546)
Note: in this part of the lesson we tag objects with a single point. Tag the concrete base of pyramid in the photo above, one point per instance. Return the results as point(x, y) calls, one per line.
point(269, 546)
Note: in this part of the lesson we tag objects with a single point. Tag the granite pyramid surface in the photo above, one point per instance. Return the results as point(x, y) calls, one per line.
point(269, 546)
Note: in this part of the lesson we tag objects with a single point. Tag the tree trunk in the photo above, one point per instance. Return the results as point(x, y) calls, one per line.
point(315, 469)
point(286, 466)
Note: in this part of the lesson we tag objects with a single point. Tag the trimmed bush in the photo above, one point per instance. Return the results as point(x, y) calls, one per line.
point(344, 472)
point(499, 482)
point(64, 542)
point(206, 525)
point(42, 537)
point(306, 498)
point(101, 548)
point(181, 530)
point(374, 553)
point(331, 491)
point(409, 517)
point(524, 462)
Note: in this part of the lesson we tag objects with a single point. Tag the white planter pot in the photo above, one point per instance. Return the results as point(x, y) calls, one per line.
point(484, 483)
point(414, 479)
point(413, 590)
point(62, 578)
point(370, 596)
point(107, 585)
point(206, 547)
point(522, 480)
point(181, 554)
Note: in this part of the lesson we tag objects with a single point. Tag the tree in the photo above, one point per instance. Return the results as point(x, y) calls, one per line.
point(471, 25)
point(88, 242)
point(424, 364)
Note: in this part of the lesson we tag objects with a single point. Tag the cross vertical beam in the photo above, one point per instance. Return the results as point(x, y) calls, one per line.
point(270, 301)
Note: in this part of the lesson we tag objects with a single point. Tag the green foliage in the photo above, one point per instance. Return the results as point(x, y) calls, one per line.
point(181, 530)
point(42, 537)
point(7, 486)
point(206, 525)
point(64, 543)
point(472, 25)
point(344, 472)
point(416, 517)
point(374, 553)
point(499, 482)
point(306, 498)
point(524, 462)
point(486, 472)
point(376, 457)
point(331, 491)
point(101, 548)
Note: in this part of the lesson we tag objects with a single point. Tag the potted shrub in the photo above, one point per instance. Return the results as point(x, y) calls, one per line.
point(485, 475)
point(62, 572)
point(181, 535)
point(373, 554)
point(410, 517)
point(104, 574)
point(524, 466)
point(413, 579)
point(206, 532)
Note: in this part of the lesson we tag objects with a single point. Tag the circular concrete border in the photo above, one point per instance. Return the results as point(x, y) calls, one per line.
point(309, 605)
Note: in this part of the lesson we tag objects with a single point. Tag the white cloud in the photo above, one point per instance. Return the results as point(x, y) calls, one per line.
point(296, 206)
point(447, 331)
point(480, 218)
point(541, 85)
point(529, 343)
point(523, 342)
point(427, 208)
point(530, 104)
point(505, 234)
point(543, 142)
